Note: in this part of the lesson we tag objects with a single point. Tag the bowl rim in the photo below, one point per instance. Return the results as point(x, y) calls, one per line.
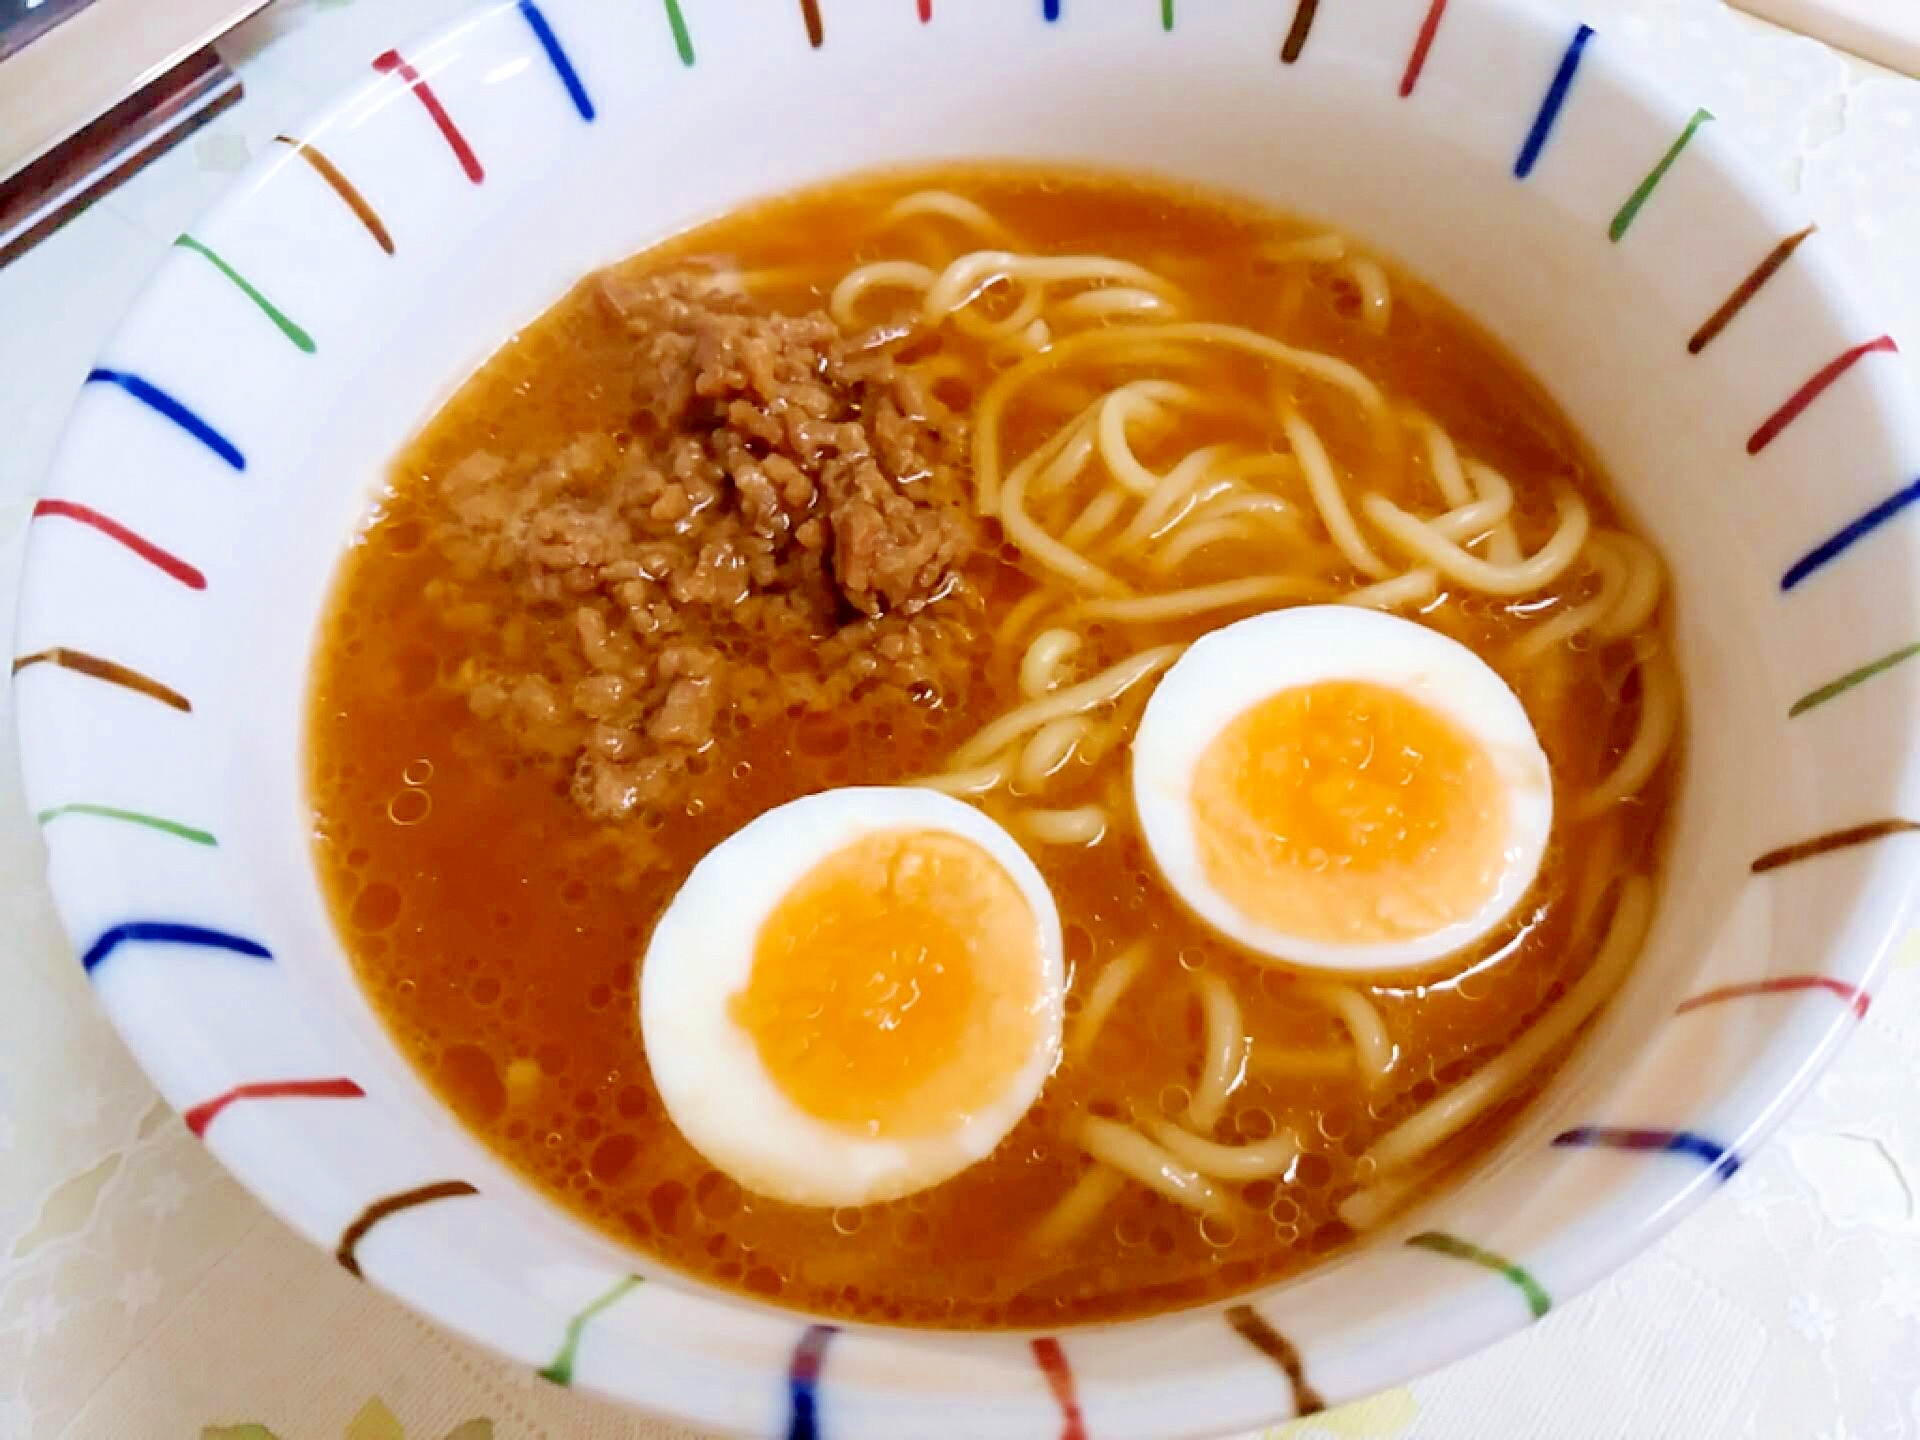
point(1616, 1230)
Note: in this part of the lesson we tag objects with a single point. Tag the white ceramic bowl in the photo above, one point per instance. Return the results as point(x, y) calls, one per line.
point(1677, 308)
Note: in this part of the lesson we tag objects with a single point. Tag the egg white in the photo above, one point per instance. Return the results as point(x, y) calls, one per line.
point(708, 1070)
point(1225, 673)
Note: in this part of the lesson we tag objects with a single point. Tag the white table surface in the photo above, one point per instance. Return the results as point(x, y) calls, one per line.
point(144, 1294)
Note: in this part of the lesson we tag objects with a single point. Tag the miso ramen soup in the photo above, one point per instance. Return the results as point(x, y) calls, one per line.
point(993, 747)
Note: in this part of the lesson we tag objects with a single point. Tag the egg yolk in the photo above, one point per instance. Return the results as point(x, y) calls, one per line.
point(1349, 812)
point(897, 987)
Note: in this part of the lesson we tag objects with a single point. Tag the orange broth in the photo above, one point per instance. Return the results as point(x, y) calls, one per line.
point(498, 929)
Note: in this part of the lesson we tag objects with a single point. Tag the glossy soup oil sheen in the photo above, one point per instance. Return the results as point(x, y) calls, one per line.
point(497, 928)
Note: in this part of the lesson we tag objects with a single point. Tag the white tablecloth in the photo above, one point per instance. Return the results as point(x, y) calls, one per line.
point(144, 1294)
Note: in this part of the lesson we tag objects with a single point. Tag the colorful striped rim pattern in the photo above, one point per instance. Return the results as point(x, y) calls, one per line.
point(112, 672)
point(1817, 384)
point(344, 188)
point(1857, 1000)
point(808, 1358)
point(1624, 216)
point(1744, 292)
point(557, 57)
point(300, 339)
point(1251, 1327)
point(1538, 1301)
point(1839, 686)
point(390, 62)
point(1550, 107)
point(803, 1382)
point(161, 403)
point(191, 834)
point(200, 1116)
point(560, 1369)
point(1833, 840)
point(1422, 43)
point(1052, 1361)
point(347, 1252)
point(683, 38)
point(1719, 1158)
point(1297, 32)
point(168, 932)
point(1849, 535)
point(168, 564)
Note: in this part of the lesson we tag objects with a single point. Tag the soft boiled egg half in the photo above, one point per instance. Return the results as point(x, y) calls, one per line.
point(854, 997)
point(1342, 789)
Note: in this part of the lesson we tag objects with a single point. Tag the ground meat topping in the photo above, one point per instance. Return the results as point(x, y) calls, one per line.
point(785, 521)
